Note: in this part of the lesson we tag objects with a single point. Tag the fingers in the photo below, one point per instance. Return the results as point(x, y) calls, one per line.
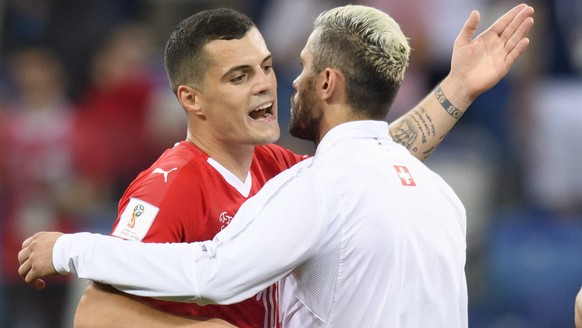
point(29, 277)
point(513, 25)
point(30, 272)
point(468, 30)
point(501, 25)
point(23, 254)
point(27, 273)
point(516, 33)
point(519, 33)
point(25, 269)
point(38, 284)
point(516, 52)
point(509, 33)
point(27, 242)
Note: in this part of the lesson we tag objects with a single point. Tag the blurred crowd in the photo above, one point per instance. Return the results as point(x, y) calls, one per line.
point(85, 106)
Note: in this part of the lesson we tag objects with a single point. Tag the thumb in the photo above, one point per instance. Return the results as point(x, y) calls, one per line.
point(38, 284)
point(466, 34)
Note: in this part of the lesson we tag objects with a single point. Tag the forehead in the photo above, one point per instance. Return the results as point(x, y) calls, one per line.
point(306, 53)
point(249, 50)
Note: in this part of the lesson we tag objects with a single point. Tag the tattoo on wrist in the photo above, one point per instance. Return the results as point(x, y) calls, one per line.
point(444, 101)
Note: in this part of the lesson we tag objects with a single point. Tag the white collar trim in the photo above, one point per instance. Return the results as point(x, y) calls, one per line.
point(243, 187)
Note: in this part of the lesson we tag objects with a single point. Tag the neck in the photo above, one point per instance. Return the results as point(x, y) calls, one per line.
point(236, 158)
point(332, 117)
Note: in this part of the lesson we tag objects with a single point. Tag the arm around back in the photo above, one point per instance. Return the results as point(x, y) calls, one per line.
point(105, 307)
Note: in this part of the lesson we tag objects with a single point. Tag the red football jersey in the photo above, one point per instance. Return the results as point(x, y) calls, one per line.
point(182, 197)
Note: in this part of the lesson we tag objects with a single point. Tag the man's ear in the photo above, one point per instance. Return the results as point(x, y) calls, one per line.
point(331, 82)
point(189, 98)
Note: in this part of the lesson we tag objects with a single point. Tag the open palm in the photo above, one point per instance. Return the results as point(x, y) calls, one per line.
point(483, 61)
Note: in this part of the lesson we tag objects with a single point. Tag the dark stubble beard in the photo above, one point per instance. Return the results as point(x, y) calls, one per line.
point(305, 113)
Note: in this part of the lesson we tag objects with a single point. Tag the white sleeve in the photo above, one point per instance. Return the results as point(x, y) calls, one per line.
point(273, 232)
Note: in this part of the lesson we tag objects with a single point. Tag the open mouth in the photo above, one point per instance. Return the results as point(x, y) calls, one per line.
point(263, 112)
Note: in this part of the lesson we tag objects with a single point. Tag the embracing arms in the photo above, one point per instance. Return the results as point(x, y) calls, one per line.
point(243, 259)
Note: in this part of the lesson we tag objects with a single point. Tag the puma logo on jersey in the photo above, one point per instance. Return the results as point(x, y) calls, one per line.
point(164, 173)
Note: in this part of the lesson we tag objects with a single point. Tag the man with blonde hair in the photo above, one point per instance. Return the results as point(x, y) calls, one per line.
point(343, 232)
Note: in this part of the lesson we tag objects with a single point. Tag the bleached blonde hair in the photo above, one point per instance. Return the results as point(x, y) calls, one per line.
point(368, 47)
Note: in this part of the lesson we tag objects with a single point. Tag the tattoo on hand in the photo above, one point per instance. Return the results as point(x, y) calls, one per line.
point(444, 101)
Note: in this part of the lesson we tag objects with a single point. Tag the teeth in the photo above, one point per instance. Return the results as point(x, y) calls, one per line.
point(261, 112)
point(265, 106)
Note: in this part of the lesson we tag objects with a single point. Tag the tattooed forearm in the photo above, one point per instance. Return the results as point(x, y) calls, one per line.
point(419, 133)
point(418, 124)
point(424, 123)
point(444, 101)
point(429, 151)
point(404, 133)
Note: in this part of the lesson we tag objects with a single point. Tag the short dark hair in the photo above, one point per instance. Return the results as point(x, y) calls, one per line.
point(184, 59)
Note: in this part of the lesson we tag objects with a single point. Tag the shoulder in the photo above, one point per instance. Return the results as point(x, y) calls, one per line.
point(181, 155)
point(279, 155)
point(176, 170)
point(164, 197)
point(304, 175)
point(183, 158)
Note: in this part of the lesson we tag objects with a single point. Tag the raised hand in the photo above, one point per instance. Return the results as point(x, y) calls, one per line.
point(480, 63)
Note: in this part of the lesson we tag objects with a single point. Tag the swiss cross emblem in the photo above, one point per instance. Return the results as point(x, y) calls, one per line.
point(404, 176)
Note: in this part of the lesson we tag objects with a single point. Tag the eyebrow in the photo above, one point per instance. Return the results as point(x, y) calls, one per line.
point(245, 67)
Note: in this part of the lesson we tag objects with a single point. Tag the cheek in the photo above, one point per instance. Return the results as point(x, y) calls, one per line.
point(226, 112)
point(227, 127)
point(296, 102)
